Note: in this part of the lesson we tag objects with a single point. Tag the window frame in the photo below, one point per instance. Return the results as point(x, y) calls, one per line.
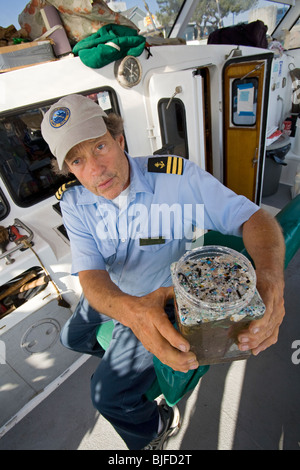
point(5, 204)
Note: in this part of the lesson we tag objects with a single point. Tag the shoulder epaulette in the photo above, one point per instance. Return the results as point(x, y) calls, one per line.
point(166, 164)
point(59, 193)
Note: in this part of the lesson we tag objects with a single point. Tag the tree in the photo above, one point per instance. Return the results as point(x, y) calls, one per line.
point(168, 10)
point(208, 12)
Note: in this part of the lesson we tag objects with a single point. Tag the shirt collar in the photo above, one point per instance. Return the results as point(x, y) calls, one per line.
point(138, 184)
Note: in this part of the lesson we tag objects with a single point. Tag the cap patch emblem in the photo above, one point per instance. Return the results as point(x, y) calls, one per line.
point(59, 117)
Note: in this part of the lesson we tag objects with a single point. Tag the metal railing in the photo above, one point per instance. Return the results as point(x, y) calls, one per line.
point(19, 245)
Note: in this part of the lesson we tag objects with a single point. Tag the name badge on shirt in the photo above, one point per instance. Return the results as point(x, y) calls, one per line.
point(152, 241)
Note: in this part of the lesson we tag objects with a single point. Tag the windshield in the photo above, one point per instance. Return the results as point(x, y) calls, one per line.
point(158, 16)
point(25, 158)
point(154, 17)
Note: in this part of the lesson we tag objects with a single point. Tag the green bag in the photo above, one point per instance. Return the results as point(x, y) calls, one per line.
point(173, 384)
point(104, 334)
point(289, 220)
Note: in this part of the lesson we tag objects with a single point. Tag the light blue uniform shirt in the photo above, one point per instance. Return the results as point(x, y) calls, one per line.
point(159, 205)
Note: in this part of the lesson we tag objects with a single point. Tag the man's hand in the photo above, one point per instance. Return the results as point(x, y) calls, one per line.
point(264, 332)
point(145, 316)
point(264, 242)
point(151, 326)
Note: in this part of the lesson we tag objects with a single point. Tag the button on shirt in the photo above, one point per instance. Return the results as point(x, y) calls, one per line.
point(137, 241)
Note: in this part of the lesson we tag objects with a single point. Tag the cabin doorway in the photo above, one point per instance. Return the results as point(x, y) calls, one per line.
point(179, 114)
point(245, 101)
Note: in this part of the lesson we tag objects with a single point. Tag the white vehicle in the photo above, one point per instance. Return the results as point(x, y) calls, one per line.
point(186, 99)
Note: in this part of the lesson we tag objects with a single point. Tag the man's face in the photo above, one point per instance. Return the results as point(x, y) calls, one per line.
point(100, 165)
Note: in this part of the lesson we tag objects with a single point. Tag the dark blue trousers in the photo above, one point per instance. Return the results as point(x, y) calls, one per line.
point(124, 374)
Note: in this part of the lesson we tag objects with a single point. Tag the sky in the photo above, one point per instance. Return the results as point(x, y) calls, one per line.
point(10, 10)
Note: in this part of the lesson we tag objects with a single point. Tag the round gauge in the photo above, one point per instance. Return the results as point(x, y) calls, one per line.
point(128, 71)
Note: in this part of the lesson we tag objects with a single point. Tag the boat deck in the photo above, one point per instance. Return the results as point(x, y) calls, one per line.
point(251, 404)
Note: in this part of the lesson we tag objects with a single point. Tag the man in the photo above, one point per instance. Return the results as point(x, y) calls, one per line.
point(122, 254)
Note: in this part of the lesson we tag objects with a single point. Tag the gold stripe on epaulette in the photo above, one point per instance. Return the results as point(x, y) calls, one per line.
point(59, 193)
point(174, 166)
point(180, 167)
point(169, 165)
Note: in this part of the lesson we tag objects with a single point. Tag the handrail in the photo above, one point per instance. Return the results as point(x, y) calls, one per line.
point(7, 254)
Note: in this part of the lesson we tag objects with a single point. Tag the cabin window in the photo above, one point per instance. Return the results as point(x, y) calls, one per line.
point(244, 101)
point(172, 122)
point(25, 158)
point(225, 14)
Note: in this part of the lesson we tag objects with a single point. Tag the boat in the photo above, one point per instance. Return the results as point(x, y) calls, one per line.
point(219, 105)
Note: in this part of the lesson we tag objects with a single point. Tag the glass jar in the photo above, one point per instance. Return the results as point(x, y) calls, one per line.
point(216, 298)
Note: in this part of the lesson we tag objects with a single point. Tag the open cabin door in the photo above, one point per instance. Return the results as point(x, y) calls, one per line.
point(179, 114)
point(245, 102)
